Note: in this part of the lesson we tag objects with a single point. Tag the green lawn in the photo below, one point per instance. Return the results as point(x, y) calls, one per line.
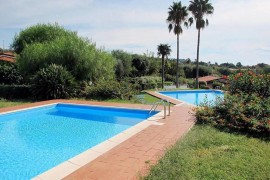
point(8, 103)
point(147, 99)
point(207, 153)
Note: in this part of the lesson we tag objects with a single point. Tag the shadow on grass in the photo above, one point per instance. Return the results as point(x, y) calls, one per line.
point(265, 136)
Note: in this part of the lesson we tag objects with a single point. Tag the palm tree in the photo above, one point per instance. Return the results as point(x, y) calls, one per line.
point(200, 8)
point(177, 15)
point(163, 50)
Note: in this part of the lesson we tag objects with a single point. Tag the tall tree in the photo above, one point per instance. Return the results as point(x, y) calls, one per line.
point(200, 8)
point(163, 50)
point(177, 15)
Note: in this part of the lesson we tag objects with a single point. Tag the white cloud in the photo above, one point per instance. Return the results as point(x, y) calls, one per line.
point(238, 30)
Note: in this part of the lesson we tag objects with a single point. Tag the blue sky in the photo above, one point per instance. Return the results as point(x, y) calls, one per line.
point(238, 30)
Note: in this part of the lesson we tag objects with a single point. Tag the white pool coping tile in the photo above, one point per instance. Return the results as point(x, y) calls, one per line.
point(66, 168)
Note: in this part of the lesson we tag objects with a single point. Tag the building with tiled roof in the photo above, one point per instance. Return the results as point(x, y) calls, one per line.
point(7, 56)
point(210, 79)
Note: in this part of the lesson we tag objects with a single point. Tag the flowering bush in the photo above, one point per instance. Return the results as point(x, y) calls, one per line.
point(246, 107)
point(249, 83)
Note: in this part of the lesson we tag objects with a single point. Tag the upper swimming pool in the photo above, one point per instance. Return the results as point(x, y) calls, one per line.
point(194, 97)
point(35, 140)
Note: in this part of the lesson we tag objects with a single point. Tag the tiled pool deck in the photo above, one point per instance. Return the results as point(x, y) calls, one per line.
point(131, 159)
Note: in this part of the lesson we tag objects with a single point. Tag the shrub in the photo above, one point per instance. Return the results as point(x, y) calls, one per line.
point(53, 82)
point(123, 66)
point(169, 77)
point(9, 74)
point(246, 108)
point(111, 89)
point(202, 84)
point(244, 112)
point(15, 91)
point(217, 84)
point(204, 87)
point(248, 82)
point(191, 83)
point(78, 55)
point(40, 33)
point(147, 82)
point(141, 65)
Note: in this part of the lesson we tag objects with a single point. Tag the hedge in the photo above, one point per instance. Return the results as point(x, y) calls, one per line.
point(15, 91)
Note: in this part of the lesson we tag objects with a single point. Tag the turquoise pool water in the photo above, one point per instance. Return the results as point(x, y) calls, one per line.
point(194, 97)
point(33, 141)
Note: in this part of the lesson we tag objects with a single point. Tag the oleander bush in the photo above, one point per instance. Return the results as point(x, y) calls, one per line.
point(248, 82)
point(245, 108)
point(9, 73)
point(53, 82)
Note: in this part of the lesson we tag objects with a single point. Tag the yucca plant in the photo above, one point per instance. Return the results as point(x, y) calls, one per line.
point(53, 82)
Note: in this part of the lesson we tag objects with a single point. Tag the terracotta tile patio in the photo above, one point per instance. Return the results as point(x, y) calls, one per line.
point(132, 158)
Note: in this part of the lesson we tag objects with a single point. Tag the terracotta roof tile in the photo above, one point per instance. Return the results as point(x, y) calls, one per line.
point(208, 78)
point(9, 59)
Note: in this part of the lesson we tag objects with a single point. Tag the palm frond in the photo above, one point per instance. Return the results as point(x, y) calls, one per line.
point(200, 8)
point(177, 15)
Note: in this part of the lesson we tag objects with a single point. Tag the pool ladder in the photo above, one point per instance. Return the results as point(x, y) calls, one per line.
point(162, 102)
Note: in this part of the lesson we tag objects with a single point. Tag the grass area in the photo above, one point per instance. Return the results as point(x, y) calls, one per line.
point(8, 103)
point(207, 153)
point(146, 98)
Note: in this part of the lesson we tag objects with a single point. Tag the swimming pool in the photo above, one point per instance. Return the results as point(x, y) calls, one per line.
point(35, 140)
point(194, 97)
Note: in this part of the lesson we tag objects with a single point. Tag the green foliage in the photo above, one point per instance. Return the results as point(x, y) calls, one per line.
point(202, 84)
point(111, 89)
point(9, 73)
point(123, 66)
point(147, 82)
point(141, 66)
point(203, 71)
point(266, 70)
point(191, 83)
point(190, 71)
point(53, 82)
point(242, 112)
point(225, 71)
point(248, 82)
point(77, 55)
point(10, 103)
point(15, 91)
point(40, 33)
point(246, 108)
point(154, 66)
point(207, 153)
point(217, 84)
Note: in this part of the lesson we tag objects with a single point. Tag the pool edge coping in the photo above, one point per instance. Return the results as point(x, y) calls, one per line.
point(71, 165)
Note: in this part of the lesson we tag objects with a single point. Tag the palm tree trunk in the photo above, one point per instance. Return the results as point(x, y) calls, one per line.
point(177, 66)
point(162, 81)
point(197, 60)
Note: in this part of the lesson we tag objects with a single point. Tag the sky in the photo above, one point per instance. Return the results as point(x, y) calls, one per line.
point(238, 30)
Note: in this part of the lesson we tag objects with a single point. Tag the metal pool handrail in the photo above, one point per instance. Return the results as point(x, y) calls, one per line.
point(163, 102)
